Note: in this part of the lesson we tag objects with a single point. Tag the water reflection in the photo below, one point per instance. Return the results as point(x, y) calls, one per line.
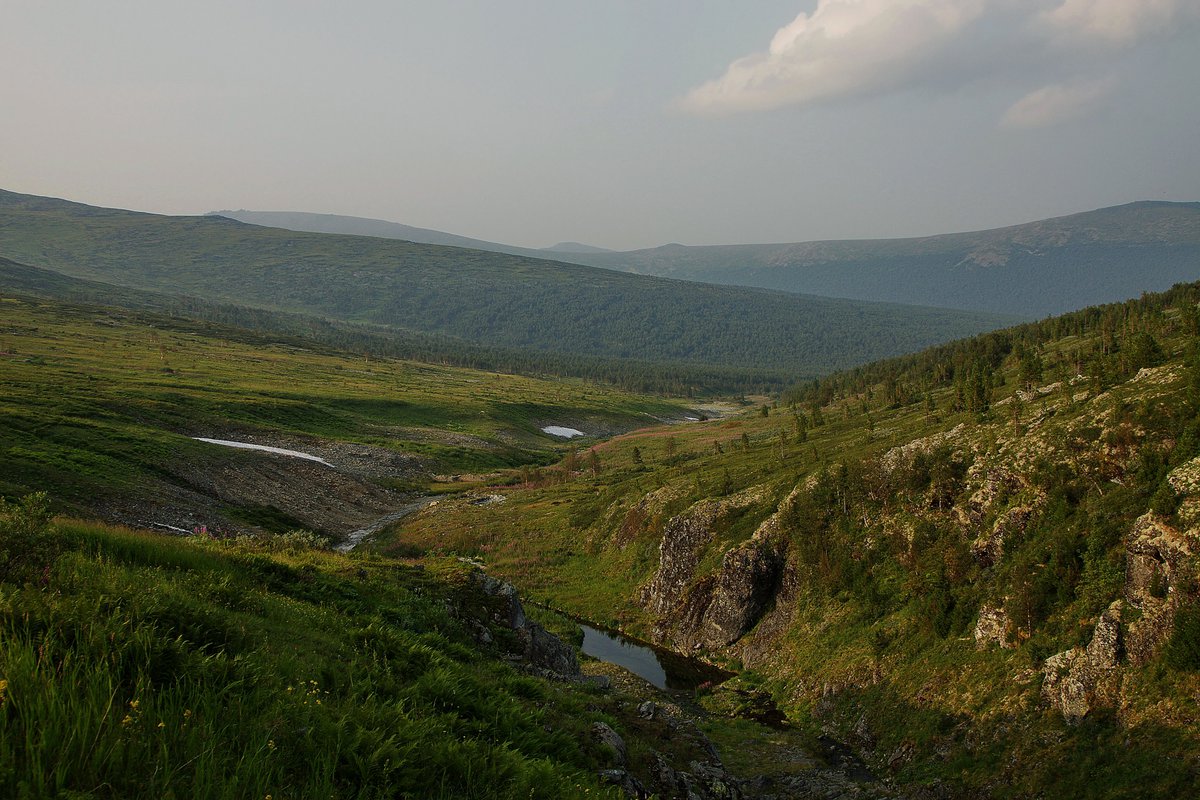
point(662, 668)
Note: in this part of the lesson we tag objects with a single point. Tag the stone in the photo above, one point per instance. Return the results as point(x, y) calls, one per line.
point(647, 710)
point(545, 650)
point(628, 784)
point(988, 549)
point(539, 647)
point(1158, 560)
point(1080, 679)
point(744, 588)
point(992, 628)
point(604, 735)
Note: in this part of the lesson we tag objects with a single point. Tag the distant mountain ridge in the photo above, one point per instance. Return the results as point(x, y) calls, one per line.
point(1034, 269)
point(488, 298)
point(364, 226)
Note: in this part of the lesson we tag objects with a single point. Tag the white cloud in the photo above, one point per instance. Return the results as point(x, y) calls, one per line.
point(1118, 22)
point(1056, 103)
point(846, 47)
point(855, 48)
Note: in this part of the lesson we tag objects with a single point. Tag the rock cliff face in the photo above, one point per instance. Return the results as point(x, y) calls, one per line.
point(1081, 679)
point(679, 553)
point(540, 648)
point(716, 610)
point(1159, 560)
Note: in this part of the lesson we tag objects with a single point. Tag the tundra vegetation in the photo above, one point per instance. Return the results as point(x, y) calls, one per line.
point(975, 565)
point(588, 320)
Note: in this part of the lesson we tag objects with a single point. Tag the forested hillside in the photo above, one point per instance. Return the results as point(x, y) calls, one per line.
point(1046, 267)
point(382, 341)
point(978, 565)
point(489, 298)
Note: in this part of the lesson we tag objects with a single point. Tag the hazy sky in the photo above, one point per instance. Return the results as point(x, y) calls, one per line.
point(622, 123)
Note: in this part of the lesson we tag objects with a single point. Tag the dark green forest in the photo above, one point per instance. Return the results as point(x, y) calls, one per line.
point(491, 299)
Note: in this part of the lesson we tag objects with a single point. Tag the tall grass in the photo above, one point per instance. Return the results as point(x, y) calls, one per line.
point(151, 667)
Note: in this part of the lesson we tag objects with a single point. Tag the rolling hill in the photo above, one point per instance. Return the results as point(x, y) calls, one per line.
point(479, 297)
point(1035, 269)
point(365, 226)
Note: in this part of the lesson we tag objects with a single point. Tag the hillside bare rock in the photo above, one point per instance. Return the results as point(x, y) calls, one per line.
point(679, 552)
point(682, 547)
point(542, 649)
point(744, 587)
point(1159, 560)
point(1081, 679)
point(716, 610)
point(993, 628)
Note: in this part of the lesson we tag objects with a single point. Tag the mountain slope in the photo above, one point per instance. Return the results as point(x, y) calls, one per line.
point(978, 564)
point(1046, 267)
point(1040, 268)
point(492, 298)
point(363, 226)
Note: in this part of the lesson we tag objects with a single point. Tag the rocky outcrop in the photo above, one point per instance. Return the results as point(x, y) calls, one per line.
point(743, 589)
point(679, 552)
point(1081, 679)
point(541, 649)
point(701, 781)
point(988, 548)
point(682, 547)
point(993, 628)
point(715, 610)
point(1158, 560)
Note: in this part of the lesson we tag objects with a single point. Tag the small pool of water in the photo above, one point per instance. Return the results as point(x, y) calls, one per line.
point(662, 668)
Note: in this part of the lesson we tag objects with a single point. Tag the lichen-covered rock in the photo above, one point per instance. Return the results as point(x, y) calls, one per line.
point(679, 552)
point(606, 737)
point(744, 587)
point(1080, 679)
point(1157, 560)
point(682, 547)
point(539, 647)
point(993, 627)
point(717, 610)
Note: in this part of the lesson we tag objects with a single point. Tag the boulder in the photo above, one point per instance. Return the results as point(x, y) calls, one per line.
point(605, 736)
point(1080, 679)
point(993, 627)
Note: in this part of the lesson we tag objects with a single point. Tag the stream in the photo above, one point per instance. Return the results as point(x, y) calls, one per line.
point(354, 538)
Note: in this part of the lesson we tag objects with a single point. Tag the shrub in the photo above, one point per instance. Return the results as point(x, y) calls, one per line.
point(26, 543)
point(1183, 649)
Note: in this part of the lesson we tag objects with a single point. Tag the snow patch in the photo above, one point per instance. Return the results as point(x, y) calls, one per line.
point(560, 431)
point(277, 450)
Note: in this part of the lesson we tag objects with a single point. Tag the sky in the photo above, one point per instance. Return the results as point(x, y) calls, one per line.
point(618, 123)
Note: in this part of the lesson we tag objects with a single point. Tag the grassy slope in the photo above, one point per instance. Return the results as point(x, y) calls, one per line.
point(481, 297)
point(887, 590)
point(96, 402)
point(377, 340)
point(142, 666)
